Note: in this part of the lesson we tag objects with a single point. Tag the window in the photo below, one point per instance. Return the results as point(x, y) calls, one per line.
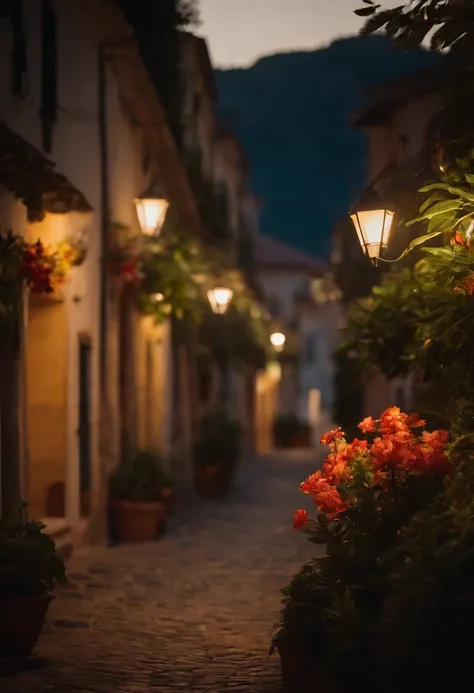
point(49, 77)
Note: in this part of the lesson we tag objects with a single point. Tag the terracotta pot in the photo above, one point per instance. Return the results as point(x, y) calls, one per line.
point(21, 623)
point(297, 675)
point(206, 481)
point(302, 439)
point(138, 522)
point(166, 496)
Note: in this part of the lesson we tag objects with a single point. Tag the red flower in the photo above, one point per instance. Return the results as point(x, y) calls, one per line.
point(300, 519)
point(367, 425)
point(332, 436)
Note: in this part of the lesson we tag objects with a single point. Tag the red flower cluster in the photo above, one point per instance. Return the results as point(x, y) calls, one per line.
point(398, 446)
point(37, 269)
point(466, 287)
point(129, 270)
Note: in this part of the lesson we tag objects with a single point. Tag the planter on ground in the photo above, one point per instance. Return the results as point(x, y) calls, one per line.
point(139, 522)
point(30, 569)
point(290, 432)
point(216, 455)
point(141, 492)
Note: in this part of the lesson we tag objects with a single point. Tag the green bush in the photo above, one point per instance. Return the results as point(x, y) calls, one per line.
point(30, 564)
point(424, 637)
point(218, 441)
point(138, 478)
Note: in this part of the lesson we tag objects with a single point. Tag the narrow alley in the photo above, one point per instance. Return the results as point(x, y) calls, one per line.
point(192, 612)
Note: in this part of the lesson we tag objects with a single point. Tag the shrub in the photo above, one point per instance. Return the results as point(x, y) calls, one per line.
point(30, 564)
point(219, 440)
point(138, 478)
point(366, 492)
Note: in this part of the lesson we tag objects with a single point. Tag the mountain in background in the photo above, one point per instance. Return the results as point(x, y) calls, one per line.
point(291, 112)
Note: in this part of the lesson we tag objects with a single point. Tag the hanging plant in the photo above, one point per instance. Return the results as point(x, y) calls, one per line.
point(125, 262)
point(30, 263)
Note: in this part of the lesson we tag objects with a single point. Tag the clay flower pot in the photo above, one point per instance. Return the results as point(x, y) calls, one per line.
point(206, 481)
point(297, 675)
point(21, 622)
point(166, 496)
point(139, 522)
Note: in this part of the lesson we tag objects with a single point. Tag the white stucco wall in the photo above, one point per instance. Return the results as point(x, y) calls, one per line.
point(76, 154)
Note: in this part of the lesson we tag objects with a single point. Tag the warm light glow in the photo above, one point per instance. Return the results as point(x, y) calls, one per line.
point(373, 230)
point(220, 299)
point(157, 298)
point(151, 212)
point(278, 340)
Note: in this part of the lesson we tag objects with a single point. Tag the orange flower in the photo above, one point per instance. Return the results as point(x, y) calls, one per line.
point(332, 436)
point(300, 519)
point(336, 469)
point(367, 425)
point(393, 420)
point(414, 421)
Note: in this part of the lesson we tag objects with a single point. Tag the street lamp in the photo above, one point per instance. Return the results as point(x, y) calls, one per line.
point(220, 299)
point(278, 340)
point(151, 210)
point(373, 222)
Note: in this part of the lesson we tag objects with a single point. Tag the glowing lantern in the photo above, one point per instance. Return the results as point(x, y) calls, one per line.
point(151, 210)
point(278, 340)
point(373, 223)
point(220, 299)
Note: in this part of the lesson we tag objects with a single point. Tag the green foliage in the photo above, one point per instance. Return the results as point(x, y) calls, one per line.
point(382, 329)
point(349, 393)
point(218, 440)
point(448, 22)
point(30, 564)
point(138, 478)
point(423, 639)
point(286, 427)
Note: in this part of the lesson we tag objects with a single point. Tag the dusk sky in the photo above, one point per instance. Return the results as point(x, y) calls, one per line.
point(241, 31)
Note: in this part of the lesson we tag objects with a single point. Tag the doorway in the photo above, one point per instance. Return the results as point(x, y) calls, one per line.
point(85, 362)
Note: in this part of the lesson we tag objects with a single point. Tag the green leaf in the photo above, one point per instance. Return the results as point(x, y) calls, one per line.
point(438, 208)
point(418, 241)
point(366, 11)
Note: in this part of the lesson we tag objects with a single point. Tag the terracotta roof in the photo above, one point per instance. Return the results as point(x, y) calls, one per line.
point(272, 254)
point(31, 177)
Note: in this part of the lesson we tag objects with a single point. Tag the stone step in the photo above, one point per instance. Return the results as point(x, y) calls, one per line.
point(59, 530)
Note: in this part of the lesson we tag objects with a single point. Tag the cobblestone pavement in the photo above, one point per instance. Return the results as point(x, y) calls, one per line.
point(191, 612)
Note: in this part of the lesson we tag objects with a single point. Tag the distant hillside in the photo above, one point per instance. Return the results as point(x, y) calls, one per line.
point(291, 112)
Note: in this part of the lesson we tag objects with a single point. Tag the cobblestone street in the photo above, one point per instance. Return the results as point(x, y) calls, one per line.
point(192, 612)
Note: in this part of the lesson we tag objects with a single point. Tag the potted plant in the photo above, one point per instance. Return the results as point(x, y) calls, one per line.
point(290, 432)
point(158, 466)
point(216, 454)
point(30, 569)
point(139, 513)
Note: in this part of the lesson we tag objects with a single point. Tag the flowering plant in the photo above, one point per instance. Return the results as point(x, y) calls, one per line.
point(367, 491)
point(125, 261)
point(396, 449)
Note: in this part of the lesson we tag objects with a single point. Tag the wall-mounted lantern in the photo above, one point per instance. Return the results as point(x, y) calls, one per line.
point(220, 299)
point(373, 222)
point(278, 341)
point(151, 208)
